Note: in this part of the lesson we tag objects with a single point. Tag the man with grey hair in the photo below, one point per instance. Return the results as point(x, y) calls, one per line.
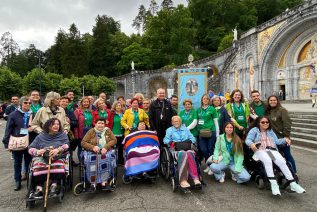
point(161, 113)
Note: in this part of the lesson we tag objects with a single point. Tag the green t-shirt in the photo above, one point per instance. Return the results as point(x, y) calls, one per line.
point(206, 118)
point(259, 109)
point(88, 118)
point(117, 128)
point(188, 118)
point(103, 114)
point(239, 115)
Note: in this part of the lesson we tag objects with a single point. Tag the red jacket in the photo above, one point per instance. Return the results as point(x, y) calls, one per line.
point(95, 116)
point(79, 130)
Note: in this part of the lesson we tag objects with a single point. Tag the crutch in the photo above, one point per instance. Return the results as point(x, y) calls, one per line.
point(47, 181)
point(97, 155)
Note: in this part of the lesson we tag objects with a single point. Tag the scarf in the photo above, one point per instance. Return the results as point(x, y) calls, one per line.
point(46, 140)
point(101, 137)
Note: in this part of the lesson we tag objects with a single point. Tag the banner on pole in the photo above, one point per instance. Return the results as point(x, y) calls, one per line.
point(192, 84)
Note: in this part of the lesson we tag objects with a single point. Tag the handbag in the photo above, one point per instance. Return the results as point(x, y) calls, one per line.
point(205, 133)
point(183, 145)
point(19, 143)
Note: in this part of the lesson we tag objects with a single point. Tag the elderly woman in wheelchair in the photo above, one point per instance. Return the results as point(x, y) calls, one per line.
point(180, 140)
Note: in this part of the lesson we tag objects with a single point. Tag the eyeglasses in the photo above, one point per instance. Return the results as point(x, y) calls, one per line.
point(264, 122)
point(27, 103)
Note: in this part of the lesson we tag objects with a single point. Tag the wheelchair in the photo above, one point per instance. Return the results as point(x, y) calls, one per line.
point(169, 170)
point(66, 181)
point(84, 185)
point(258, 174)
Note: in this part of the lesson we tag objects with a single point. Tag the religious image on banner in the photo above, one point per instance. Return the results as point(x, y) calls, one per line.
point(192, 84)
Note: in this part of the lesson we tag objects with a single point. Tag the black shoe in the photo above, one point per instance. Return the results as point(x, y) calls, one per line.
point(75, 164)
point(53, 190)
point(38, 194)
point(106, 187)
point(146, 175)
point(17, 186)
point(92, 188)
point(313, 105)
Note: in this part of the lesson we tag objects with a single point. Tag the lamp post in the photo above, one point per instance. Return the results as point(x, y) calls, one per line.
point(133, 75)
point(40, 72)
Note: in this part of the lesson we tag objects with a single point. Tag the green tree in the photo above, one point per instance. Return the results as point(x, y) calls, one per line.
point(8, 47)
point(139, 55)
point(101, 60)
point(34, 78)
point(140, 19)
point(10, 83)
point(88, 81)
point(55, 53)
point(55, 80)
point(226, 42)
point(167, 4)
point(103, 84)
point(170, 35)
point(72, 83)
point(74, 59)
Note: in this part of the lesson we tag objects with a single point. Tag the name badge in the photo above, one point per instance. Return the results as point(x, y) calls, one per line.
point(201, 121)
point(24, 131)
point(240, 118)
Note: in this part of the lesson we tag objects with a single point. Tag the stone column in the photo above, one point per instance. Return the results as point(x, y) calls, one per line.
point(296, 82)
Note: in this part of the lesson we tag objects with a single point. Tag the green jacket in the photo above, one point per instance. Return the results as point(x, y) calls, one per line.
point(246, 109)
point(280, 121)
point(221, 149)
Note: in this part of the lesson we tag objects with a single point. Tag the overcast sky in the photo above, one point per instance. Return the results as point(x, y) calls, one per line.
point(37, 21)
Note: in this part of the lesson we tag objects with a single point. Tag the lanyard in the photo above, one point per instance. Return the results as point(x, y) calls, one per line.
point(240, 109)
point(25, 119)
point(203, 111)
point(186, 115)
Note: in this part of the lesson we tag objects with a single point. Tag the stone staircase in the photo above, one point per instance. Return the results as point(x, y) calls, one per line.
point(304, 129)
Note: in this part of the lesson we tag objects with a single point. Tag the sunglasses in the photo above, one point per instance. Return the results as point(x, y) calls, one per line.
point(27, 103)
point(264, 122)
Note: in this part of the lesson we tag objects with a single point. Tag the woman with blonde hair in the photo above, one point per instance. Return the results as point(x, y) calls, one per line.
point(140, 98)
point(101, 112)
point(50, 110)
point(114, 119)
point(84, 117)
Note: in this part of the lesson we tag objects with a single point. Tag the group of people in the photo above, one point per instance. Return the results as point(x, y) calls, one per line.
point(222, 129)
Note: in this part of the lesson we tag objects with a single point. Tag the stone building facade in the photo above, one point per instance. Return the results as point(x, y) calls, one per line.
point(279, 55)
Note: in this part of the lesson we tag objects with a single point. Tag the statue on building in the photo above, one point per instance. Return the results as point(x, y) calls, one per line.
point(132, 65)
point(190, 60)
point(235, 34)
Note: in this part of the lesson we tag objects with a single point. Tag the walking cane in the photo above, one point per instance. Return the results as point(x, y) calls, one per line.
point(47, 181)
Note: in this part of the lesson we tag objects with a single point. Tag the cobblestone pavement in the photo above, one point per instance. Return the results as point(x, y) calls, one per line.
point(142, 196)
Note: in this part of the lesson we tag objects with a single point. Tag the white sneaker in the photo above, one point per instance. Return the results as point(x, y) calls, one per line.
point(233, 177)
point(206, 170)
point(275, 189)
point(210, 172)
point(222, 179)
point(297, 188)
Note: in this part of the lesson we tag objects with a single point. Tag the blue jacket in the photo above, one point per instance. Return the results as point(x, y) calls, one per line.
point(14, 124)
point(178, 135)
point(254, 136)
point(224, 118)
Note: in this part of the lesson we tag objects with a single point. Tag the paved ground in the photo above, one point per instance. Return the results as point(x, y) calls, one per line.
point(143, 196)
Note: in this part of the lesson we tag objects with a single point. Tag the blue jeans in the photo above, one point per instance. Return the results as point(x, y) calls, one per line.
point(218, 170)
point(286, 150)
point(18, 157)
point(207, 145)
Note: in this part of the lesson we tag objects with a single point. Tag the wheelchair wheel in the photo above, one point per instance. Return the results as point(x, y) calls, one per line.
point(259, 182)
point(30, 204)
point(165, 163)
point(173, 184)
point(78, 189)
point(113, 184)
point(126, 180)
